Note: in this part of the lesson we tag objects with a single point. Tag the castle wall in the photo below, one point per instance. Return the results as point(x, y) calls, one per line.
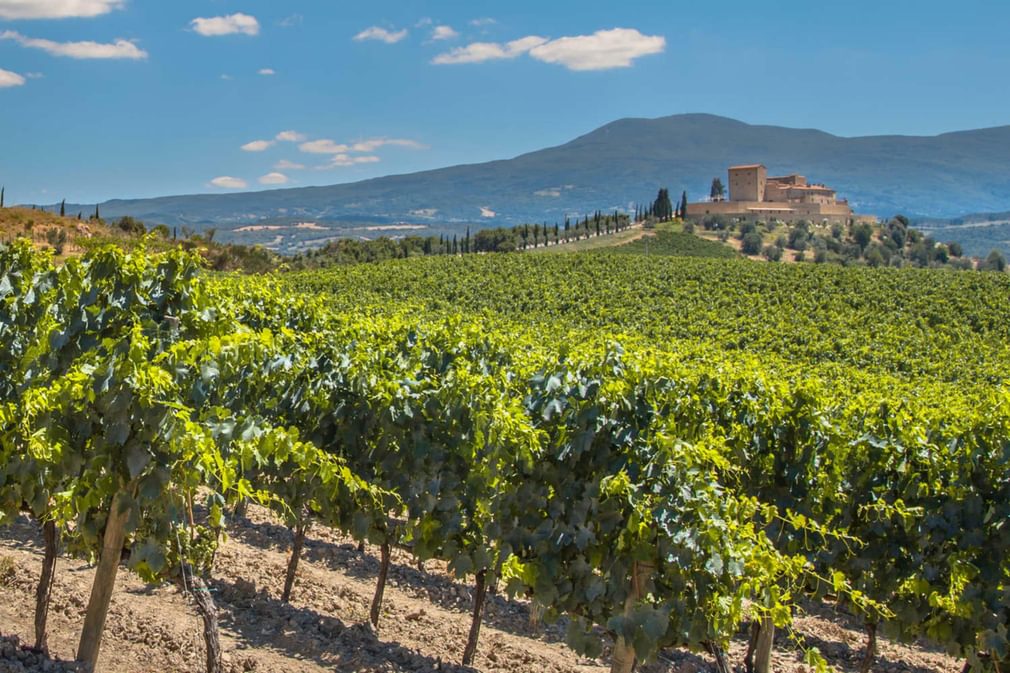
point(764, 211)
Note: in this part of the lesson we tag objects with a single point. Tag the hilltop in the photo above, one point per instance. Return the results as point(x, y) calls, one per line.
point(611, 167)
point(70, 237)
point(65, 236)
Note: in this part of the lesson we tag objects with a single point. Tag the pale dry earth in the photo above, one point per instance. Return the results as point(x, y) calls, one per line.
point(422, 629)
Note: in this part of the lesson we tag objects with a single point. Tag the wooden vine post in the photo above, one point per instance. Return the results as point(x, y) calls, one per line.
point(105, 580)
point(763, 646)
point(623, 659)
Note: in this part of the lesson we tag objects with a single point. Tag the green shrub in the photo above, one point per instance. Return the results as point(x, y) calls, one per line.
point(751, 243)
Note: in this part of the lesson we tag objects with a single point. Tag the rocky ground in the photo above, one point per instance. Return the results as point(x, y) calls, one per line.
point(422, 629)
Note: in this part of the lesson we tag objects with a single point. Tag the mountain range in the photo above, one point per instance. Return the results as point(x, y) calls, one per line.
point(615, 166)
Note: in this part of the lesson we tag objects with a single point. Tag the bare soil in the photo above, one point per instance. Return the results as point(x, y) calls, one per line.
point(423, 627)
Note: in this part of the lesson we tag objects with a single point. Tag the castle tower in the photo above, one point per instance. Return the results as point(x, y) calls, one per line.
point(747, 183)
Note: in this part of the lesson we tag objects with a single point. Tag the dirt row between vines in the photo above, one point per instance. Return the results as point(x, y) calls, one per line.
point(423, 626)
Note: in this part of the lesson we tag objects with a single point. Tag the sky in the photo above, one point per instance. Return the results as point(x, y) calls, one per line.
point(134, 98)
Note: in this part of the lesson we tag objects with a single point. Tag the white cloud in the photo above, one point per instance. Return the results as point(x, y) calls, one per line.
point(10, 79)
point(285, 165)
point(226, 25)
point(381, 34)
point(34, 75)
point(323, 146)
point(478, 52)
point(226, 77)
point(257, 146)
point(291, 21)
point(603, 50)
point(485, 21)
point(375, 143)
point(487, 212)
point(292, 137)
point(443, 33)
point(327, 146)
point(81, 50)
point(266, 72)
point(274, 179)
point(343, 160)
point(56, 9)
point(426, 21)
point(228, 182)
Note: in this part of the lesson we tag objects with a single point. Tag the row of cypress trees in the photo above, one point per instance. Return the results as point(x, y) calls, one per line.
point(662, 208)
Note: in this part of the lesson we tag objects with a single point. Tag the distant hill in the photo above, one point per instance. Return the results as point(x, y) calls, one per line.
point(612, 167)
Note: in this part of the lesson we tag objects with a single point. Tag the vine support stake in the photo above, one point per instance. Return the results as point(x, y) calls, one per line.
point(105, 580)
point(763, 647)
point(623, 658)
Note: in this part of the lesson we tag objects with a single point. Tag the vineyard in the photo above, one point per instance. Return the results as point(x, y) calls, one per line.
point(651, 452)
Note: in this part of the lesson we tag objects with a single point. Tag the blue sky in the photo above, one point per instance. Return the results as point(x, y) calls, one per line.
point(130, 98)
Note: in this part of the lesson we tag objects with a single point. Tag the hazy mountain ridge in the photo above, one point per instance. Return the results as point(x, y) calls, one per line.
point(623, 162)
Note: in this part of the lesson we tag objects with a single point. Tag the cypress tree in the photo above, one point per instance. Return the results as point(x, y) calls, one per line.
point(555, 233)
point(662, 208)
point(2, 196)
point(63, 208)
point(97, 215)
point(718, 190)
point(683, 204)
point(79, 214)
point(467, 248)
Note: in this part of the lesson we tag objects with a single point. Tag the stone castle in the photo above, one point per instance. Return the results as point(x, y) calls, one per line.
point(756, 197)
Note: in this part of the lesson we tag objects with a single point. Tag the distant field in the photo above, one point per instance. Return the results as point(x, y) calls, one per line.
point(900, 321)
point(669, 242)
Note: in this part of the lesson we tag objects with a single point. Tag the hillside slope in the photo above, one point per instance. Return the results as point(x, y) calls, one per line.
point(623, 162)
